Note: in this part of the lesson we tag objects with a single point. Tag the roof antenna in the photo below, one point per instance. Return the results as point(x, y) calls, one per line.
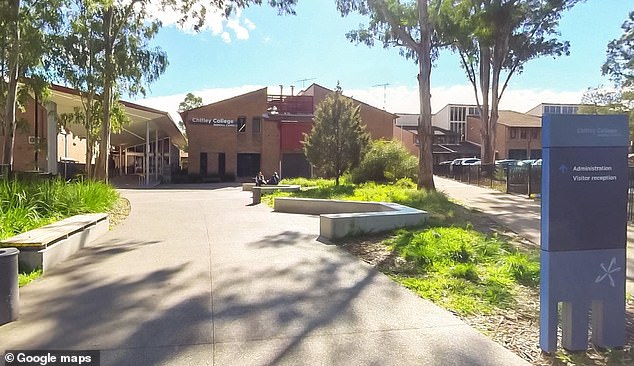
point(384, 85)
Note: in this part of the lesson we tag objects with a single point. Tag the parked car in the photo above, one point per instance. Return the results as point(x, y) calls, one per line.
point(505, 163)
point(473, 161)
point(526, 162)
point(537, 162)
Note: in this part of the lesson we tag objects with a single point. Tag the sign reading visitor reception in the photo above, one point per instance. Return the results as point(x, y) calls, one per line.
point(218, 122)
point(583, 233)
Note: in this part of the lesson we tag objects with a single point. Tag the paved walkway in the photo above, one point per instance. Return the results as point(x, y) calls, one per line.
point(519, 213)
point(196, 276)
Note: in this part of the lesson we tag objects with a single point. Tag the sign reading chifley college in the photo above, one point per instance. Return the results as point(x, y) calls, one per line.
point(584, 226)
point(218, 122)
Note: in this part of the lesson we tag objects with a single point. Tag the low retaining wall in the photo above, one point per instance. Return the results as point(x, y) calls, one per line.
point(49, 245)
point(258, 190)
point(339, 219)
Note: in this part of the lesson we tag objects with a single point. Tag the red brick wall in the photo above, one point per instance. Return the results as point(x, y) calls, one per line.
point(216, 139)
point(23, 152)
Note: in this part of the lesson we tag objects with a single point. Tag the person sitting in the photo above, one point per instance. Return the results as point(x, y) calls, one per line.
point(259, 179)
point(275, 179)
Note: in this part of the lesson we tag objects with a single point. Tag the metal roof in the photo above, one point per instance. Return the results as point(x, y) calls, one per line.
point(68, 99)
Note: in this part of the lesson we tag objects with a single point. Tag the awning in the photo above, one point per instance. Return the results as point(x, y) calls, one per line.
point(134, 133)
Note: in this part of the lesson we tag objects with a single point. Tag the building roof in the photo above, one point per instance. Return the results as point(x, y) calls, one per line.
point(517, 119)
point(67, 99)
point(315, 85)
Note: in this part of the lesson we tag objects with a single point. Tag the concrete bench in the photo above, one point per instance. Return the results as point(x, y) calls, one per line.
point(248, 186)
point(258, 191)
point(49, 245)
point(338, 219)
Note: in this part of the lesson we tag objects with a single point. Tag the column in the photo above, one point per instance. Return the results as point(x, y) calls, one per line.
point(51, 137)
point(146, 169)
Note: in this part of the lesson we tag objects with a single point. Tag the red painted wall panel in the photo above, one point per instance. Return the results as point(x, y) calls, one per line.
point(292, 135)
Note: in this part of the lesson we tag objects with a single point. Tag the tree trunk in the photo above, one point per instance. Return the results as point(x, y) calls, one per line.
point(425, 135)
point(485, 118)
point(101, 168)
point(14, 68)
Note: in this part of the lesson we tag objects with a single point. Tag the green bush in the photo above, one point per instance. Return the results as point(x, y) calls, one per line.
point(28, 204)
point(386, 161)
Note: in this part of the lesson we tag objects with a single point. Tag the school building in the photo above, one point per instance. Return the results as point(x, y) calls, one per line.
point(147, 149)
point(238, 137)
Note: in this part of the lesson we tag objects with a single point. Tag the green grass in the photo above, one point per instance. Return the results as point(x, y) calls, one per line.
point(25, 205)
point(25, 278)
point(29, 204)
point(452, 264)
point(404, 192)
point(462, 269)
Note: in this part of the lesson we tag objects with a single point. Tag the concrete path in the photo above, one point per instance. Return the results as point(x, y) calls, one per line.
point(196, 276)
point(519, 213)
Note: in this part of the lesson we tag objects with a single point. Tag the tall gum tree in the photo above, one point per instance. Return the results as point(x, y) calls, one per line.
point(407, 25)
point(24, 49)
point(123, 24)
point(495, 39)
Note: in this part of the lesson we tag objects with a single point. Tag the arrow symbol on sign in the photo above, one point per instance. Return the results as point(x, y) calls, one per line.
point(563, 168)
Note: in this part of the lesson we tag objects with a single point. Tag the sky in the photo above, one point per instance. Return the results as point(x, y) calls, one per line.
point(256, 48)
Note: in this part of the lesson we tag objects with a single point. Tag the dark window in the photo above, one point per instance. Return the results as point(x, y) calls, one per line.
point(242, 124)
point(535, 133)
point(257, 124)
point(523, 133)
point(513, 133)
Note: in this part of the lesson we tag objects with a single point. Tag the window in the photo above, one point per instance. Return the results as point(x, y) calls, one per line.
point(535, 133)
point(474, 111)
point(242, 124)
point(513, 133)
point(458, 127)
point(257, 125)
point(457, 114)
point(552, 109)
point(569, 110)
point(523, 133)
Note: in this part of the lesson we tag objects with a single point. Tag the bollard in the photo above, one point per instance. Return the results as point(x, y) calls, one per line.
point(9, 293)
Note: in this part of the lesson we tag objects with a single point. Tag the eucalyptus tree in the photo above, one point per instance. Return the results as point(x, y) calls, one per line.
point(125, 64)
point(619, 64)
point(407, 25)
point(495, 39)
point(25, 48)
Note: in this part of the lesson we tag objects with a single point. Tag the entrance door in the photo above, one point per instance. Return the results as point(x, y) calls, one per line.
point(248, 165)
point(295, 165)
point(203, 164)
point(221, 164)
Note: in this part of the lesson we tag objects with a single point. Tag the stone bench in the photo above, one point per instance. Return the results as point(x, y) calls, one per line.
point(248, 186)
point(257, 191)
point(49, 245)
point(338, 219)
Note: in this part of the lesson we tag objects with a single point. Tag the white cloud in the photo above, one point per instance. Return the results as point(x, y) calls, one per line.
point(226, 37)
point(399, 99)
point(215, 22)
point(249, 24)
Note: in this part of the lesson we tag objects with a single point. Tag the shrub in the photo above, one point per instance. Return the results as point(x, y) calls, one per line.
point(386, 161)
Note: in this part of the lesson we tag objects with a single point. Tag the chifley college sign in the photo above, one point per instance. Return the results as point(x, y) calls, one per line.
point(583, 230)
point(219, 122)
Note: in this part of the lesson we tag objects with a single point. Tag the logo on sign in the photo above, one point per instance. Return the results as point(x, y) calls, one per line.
point(607, 272)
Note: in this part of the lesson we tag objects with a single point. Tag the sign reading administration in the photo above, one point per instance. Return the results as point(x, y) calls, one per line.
point(218, 122)
point(586, 181)
point(583, 234)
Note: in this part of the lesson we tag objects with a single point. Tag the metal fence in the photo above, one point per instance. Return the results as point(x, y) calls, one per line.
point(524, 180)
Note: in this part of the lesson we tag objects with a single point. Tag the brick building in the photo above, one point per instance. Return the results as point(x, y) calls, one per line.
point(257, 131)
point(147, 148)
point(517, 135)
